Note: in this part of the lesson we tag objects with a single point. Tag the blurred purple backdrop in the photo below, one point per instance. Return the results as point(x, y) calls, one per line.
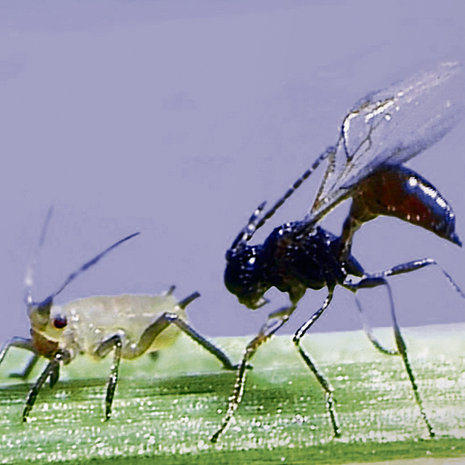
point(178, 118)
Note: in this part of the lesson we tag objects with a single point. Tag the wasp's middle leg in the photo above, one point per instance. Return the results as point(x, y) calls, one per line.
point(324, 383)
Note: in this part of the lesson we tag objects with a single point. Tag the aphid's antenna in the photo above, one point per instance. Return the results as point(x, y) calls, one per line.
point(29, 277)
point(256, 221)
point(85, 267)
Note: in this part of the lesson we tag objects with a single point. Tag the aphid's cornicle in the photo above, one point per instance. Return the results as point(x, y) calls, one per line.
point(384, 130)
point(127, 325)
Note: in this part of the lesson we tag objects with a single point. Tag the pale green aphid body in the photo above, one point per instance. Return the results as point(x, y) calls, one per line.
point(92, 320)
point(127, 326)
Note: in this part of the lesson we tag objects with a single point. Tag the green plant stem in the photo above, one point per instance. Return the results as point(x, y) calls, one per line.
point(168, 409)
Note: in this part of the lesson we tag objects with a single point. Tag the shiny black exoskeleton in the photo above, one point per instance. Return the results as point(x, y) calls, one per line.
point(295, 257)
point(384, 130)
point(292, 259)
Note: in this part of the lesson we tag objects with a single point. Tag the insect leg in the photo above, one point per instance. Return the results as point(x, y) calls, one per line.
point(54, 375)
point(369, 332)
point(112, 343)
point(416, 265)
point(27, 369)
point(52, 371)
point(377, 280)
point(20, 342)
point(401, 269)
point(324, 383)
point(154, 355)
point(27, 345)
point(167, 319)
point(274, 322)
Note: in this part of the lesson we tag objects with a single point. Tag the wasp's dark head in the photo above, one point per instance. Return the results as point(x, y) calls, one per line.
point(244, 275)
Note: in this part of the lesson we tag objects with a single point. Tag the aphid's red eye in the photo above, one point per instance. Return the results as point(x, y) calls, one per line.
point(59, 322)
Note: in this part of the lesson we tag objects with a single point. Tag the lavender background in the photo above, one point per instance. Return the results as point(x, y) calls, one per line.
point(178, 118)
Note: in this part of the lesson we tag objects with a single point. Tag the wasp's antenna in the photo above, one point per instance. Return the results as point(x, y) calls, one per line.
point(86, 266)
point(331, 150)
point(246, 233)
point(29, 277)
point(256, 221)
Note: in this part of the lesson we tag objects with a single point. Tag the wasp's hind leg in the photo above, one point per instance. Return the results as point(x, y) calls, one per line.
point(369, 332)
point(379, 279)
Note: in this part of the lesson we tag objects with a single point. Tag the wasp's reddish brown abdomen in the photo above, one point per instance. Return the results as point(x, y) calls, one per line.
point(401, 192)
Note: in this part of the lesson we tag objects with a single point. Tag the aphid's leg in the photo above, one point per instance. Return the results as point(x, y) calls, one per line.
point(27, 369)
point(22, 343)
point(369, 332)
point(154, 355)
point(112, 343)
point(167, 319)
point(52, 371)
point(274, 322)
point(324, 383)
point(54, 376)
point(378, 280)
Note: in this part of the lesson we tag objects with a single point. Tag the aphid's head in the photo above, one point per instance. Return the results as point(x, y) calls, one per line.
point(39, 314)
point(244, 275)
point(47, 319)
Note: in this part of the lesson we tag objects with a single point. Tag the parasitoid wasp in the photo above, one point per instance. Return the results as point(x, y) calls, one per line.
point(126, 325)
point(383, 131)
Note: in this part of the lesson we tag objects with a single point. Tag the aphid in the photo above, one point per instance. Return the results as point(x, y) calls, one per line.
point(384, 130)
point(125, 325)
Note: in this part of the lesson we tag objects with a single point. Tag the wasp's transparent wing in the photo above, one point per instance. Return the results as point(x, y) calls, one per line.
point(390, 127)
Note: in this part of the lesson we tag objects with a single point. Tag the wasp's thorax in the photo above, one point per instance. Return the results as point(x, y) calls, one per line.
point(293, 259)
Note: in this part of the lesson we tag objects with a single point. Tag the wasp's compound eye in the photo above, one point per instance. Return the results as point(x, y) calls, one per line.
point(59, 321)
